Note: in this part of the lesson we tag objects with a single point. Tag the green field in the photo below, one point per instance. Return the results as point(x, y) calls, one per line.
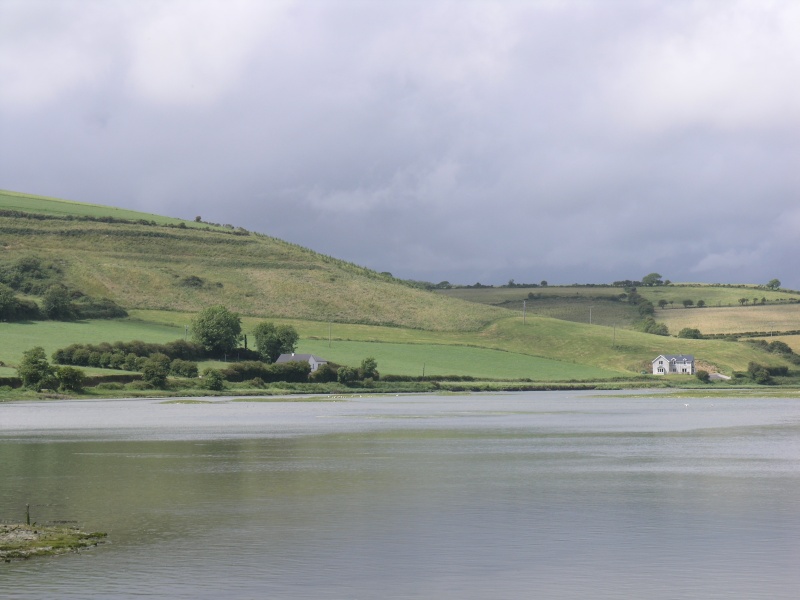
point(432, 359)
point(43, 205)
point(163, 274)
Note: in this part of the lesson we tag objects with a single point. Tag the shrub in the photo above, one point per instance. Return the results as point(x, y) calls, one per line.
point(780, 347)
point(213, 380)
point(140, 385)
point(327, 373)
point(109, 385)
point(155, 370)
point(649, 325)
point(703, 375)
point(183, 368)
point(34, 370)
point(690, 333)
point(347, 375)
point(56, 303)
point(70, 379)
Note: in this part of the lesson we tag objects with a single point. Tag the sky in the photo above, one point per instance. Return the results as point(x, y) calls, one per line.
point(571, 141)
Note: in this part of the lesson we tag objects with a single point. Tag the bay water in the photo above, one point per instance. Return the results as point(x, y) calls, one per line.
point(489, 496)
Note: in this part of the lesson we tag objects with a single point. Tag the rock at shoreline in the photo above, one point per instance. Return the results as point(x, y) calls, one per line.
point(24, 541)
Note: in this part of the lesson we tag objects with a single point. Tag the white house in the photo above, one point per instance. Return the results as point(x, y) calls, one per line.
point(673, 363)
point(315, 361)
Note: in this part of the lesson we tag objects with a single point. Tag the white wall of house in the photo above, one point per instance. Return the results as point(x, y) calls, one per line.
point(663, 365)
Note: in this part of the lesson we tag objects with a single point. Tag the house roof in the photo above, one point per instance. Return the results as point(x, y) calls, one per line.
point(675, 357)
point(284, 358)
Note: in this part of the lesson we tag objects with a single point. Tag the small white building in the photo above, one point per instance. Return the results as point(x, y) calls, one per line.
point(315, 361)
point(664, 364)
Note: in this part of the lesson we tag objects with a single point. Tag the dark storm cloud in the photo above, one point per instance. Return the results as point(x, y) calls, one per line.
point(467, 141)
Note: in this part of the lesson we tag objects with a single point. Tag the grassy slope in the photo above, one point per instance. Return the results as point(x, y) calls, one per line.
point(142, 268)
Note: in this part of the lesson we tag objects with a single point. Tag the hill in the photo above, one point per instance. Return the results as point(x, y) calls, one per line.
point(727, 309)
point(141, 262)
point(163, 270)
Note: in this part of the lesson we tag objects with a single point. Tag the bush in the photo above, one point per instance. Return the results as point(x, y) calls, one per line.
point(327, 373)
point(56, 303)
point(156, 369)
point(690, 333)
point(140, 385)
point(703, 375)
point(34, 370)
point(109, 385)
point(70, 379)
point(213, 380)
point(649, 325)
point(183, 368)
point(780, 347)
point(347, 375)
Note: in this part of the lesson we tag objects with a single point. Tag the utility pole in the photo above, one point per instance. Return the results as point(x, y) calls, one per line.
point(590, 314)
point(329, 334)
point(523, 311)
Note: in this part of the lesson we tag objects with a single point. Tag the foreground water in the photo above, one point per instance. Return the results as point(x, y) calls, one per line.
point(561, 495)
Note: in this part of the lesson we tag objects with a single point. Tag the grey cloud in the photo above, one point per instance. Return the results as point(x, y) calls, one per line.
point(467, 141)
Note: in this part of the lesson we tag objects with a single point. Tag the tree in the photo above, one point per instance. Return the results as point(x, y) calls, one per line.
point(701, 303)
point(34, 370)
point(57, 304)
point(346, 375)
point(774, 284)
point(543, 283)
point(703, 375)
point(273, 340)
point(687, 303)
point(217, 329)
point(743, 301)
point(662, 303)
point(369, 369)
point(652, 279)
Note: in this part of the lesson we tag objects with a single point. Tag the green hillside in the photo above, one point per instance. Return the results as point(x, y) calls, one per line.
point(164, 270)
point(169, 267)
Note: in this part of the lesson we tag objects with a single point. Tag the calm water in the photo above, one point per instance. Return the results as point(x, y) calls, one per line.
point(559, 495)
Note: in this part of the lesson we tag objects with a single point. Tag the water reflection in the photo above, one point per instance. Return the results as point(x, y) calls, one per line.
point(508, 496)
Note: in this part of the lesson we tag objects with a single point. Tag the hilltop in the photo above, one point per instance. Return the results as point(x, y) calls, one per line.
point(143, 261)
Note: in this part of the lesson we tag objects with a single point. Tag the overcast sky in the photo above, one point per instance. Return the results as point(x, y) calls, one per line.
point(572, 141)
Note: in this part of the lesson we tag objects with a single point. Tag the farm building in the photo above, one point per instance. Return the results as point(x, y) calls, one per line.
point(673, 363)
point(315, 361)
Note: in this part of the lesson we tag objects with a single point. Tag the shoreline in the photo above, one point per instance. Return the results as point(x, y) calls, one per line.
point(19, 541)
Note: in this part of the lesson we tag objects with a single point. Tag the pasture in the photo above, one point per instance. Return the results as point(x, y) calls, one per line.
point(55, 207)
point(735, 319)
point(433, 359)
